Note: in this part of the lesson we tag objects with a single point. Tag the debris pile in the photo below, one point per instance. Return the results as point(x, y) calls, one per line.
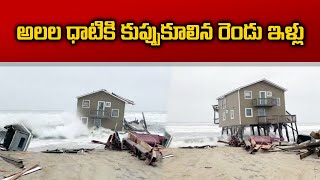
point(253, 143)
point(307, 146)
point(139, 141)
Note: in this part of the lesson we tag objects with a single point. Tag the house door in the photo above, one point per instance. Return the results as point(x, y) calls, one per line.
point(262, 112)
point(263, 97)
point(100, 108)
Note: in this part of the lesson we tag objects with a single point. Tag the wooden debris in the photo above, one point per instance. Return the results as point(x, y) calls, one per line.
point(266, 147)
point(60, 151)
point(255, 149)
point(142, 149)
point(247, 144)
point(16, 176)
point(16, 162)
point(167, 156)
point(306, 154)
point(26, 173)
point(315, 135)
point(198, 147)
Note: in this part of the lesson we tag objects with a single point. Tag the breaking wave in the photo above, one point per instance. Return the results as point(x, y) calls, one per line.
point(64, 130)
point(60, 125)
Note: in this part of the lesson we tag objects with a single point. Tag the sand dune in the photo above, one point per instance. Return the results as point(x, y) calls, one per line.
point(217, 163)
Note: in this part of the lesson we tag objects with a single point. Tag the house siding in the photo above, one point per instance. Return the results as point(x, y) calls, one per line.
point(231, 104)
point(248, 103)
point(109, 123)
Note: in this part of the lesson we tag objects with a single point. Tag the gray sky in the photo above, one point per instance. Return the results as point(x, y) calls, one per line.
point(56, 88)
point(186, 93)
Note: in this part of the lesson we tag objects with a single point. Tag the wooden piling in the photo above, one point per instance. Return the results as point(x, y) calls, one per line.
point(287, 134)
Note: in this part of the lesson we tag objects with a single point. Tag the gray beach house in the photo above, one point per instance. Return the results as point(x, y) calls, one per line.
point(259, 104)
point(102, 109)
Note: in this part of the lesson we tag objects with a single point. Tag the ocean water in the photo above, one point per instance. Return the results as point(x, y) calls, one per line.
point(54, 130)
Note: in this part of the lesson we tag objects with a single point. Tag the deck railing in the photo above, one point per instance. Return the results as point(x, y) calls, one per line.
point(277, 119)
point(99, 114)
point(264, 102)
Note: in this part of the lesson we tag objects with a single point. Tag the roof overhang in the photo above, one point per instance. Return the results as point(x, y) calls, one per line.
point(262, 80)
point(111, 94)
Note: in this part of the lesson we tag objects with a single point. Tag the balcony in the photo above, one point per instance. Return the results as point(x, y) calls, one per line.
point(103, 114)
point(277, 119)
point(264, 102)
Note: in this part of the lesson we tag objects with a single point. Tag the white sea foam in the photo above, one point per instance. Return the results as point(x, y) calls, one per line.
point(64, 130)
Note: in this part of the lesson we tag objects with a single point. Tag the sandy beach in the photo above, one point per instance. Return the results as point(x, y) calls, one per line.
point(215, 163)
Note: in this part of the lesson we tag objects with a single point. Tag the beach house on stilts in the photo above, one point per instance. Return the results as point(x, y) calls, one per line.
point(259, 105)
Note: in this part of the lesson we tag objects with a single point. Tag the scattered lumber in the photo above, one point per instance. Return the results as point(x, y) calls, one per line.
point(37, 168)
point(19, 174)
point(60, 151)
point(16, 162)
point(198, 147)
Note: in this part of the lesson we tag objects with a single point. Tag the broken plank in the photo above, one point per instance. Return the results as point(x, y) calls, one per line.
point(309, 145)
point(26, 173)
point(247, 144)
point(221, 141)
point(306, 154)
point(141, 149)
point(255, 149)
point(16, 176)
point(16, 162)
point(167, 156)
point(266, 147)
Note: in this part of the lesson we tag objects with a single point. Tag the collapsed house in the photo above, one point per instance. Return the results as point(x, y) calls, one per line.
point(102, 109)
point(17, 138)
point(139, 141)
point(259, 105)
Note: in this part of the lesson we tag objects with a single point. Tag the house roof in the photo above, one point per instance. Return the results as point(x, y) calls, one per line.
point(110, 93)
point(262, 80)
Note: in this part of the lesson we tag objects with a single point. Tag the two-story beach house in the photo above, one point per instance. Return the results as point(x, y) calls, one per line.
point(102, 109)
point(259, 104)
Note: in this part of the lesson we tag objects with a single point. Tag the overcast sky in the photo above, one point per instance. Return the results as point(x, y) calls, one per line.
point(56, 88)
point(186, 93)
point(194, 89)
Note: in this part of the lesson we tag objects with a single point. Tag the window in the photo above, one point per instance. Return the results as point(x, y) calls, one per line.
point(224, 103)
point(84, 120)
point(224, 116)
point(108, 104)
point(269, 94)
point(86, 104)
point(248, 112)
point(231, 114)
point(115, 113)
point(227, 111)
point(21, 142)
point(278, 101)
point(97, 122)
point(247, 94)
